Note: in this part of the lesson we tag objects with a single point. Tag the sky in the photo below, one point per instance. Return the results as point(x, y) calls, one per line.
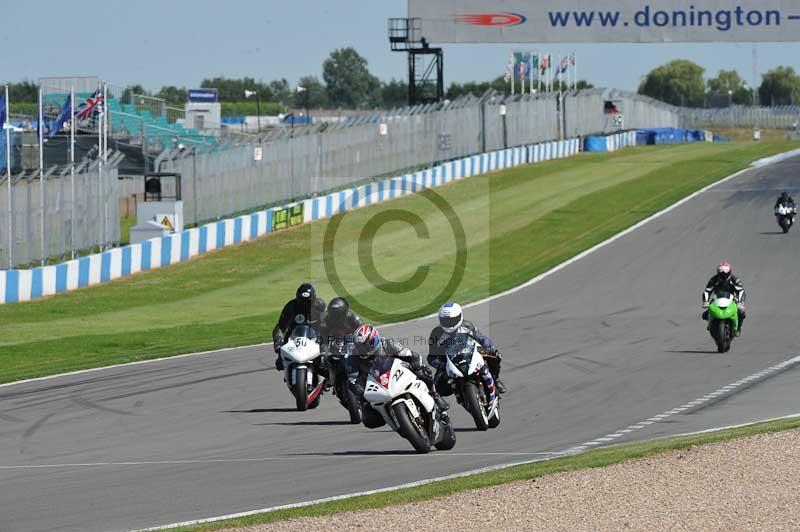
point(180, 42)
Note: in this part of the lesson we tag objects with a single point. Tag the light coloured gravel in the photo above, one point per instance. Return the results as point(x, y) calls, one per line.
point(746, 484)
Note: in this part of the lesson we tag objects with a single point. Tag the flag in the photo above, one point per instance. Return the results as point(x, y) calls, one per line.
point(565, 64)
point(90, 107)
point(544, 64)
point(3, 113)
point(534, 61)
point(522, 70)
point(63, 115)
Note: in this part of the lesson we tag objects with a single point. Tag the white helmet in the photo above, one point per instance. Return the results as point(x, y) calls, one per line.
point(450, 317)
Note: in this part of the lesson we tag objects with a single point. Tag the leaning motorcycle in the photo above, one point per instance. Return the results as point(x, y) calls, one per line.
point(723, 320)
point(785, 217)
point(341, 349)
point(471, 381)
point(302, 360)
point(405, 404)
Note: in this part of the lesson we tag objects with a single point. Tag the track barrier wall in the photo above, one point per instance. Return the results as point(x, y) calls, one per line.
point(25, 285)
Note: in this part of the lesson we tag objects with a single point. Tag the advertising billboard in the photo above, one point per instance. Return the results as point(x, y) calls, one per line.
point(574, 21)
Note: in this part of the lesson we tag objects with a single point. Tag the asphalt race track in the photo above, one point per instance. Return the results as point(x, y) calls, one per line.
point(606, 342)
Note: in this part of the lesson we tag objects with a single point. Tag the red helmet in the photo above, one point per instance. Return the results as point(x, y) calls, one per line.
point(724, 270)
point(367, 341)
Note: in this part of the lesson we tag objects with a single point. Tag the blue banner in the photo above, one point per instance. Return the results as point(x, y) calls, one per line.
point(203, 95)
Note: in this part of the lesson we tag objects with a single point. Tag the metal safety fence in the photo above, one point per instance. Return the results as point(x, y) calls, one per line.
point(292, 162)
point(60, 216)
point(784, 116)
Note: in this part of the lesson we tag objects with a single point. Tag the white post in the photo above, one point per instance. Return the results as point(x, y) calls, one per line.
point(530, 76)
point(538, 72)
point(99, 124)
point(41, 176)
point(72, 167)
point(10, 191)
point(103, 198)
point(574, 71)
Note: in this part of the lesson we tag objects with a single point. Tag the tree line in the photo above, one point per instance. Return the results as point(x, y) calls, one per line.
point(681, 82)
point(346, 83)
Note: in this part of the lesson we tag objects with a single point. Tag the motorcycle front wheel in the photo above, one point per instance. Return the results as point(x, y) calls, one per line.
point(408, 429)
point(472, 401)
point(301, 389)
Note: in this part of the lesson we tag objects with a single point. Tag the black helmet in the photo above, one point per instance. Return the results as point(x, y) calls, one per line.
point(306, 293)
point(784, 195)
point(337, 309)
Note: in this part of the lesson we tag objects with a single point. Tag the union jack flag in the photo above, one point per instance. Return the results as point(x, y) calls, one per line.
point(90, 107)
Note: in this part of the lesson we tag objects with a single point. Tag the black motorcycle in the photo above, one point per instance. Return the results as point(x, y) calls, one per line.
point(340, 349)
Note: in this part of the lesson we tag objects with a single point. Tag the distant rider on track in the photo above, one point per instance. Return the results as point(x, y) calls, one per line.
point(786, 201)
point(369, 345)
point(725, 281)
point(305, 309)
point(451, 323)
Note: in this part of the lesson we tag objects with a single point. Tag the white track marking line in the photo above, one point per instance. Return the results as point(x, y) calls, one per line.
point(754, 165)
point(725, 390)
point(264, 459)
point(568, 452)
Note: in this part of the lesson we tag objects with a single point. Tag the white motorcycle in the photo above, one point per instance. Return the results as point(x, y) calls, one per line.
point(301, 360)
point(785, 216)
point(472, 382)
point(403, 400)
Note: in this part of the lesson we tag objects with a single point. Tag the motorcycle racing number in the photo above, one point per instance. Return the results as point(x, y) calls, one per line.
point(397, 375)
point(300, 342)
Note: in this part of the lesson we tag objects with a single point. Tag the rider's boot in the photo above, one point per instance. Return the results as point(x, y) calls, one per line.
point(440, 402)
point(279, 363)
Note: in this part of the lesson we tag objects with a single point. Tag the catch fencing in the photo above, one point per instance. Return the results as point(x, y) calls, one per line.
point(300, 161)
point(783, 117)
point(55, 218)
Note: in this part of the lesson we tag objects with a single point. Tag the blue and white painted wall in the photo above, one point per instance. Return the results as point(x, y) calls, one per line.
point(26, 285)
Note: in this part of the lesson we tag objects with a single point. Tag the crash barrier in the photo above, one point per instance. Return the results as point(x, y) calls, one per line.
point(596, 143)
point(25, 285)
point(671, 135)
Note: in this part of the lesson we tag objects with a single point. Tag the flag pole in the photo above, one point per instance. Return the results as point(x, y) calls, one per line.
point(8, 176)
point(575, 70)
point(41, 176)
point(72, 167)
point(104, 199)
point(513, 72)
point(538, 72)
point(99, 124)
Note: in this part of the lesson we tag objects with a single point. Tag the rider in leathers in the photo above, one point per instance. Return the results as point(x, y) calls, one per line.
point(338, 321)
point(451, 323)
point(787, 201)
point(369, 345)
point(305, 309)
point(725, 281)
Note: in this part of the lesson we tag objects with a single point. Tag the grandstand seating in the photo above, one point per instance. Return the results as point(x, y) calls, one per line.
point(126, 121)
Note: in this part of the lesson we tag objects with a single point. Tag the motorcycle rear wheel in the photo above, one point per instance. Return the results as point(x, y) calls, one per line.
point(409, 430)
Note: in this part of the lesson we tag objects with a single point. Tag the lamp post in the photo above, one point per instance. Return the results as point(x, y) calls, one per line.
point(291, 147)
point(304, 90)
point(730, 105)
point(247, 94)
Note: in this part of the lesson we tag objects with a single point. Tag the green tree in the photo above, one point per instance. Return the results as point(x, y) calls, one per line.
point(730, 81)
point(173, 95)
point(780, 86)
point(25, 91)
point(232, 90)
point(394, 94)
point(131, 90)
point(348, 80)
point(314, 96)
point(678, 82)
point(281, 92)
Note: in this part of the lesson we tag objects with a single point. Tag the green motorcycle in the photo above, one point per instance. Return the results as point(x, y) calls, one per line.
point(723, 320)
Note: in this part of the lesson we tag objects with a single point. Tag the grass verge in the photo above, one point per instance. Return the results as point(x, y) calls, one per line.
point(518, 223)
point(597, 458)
